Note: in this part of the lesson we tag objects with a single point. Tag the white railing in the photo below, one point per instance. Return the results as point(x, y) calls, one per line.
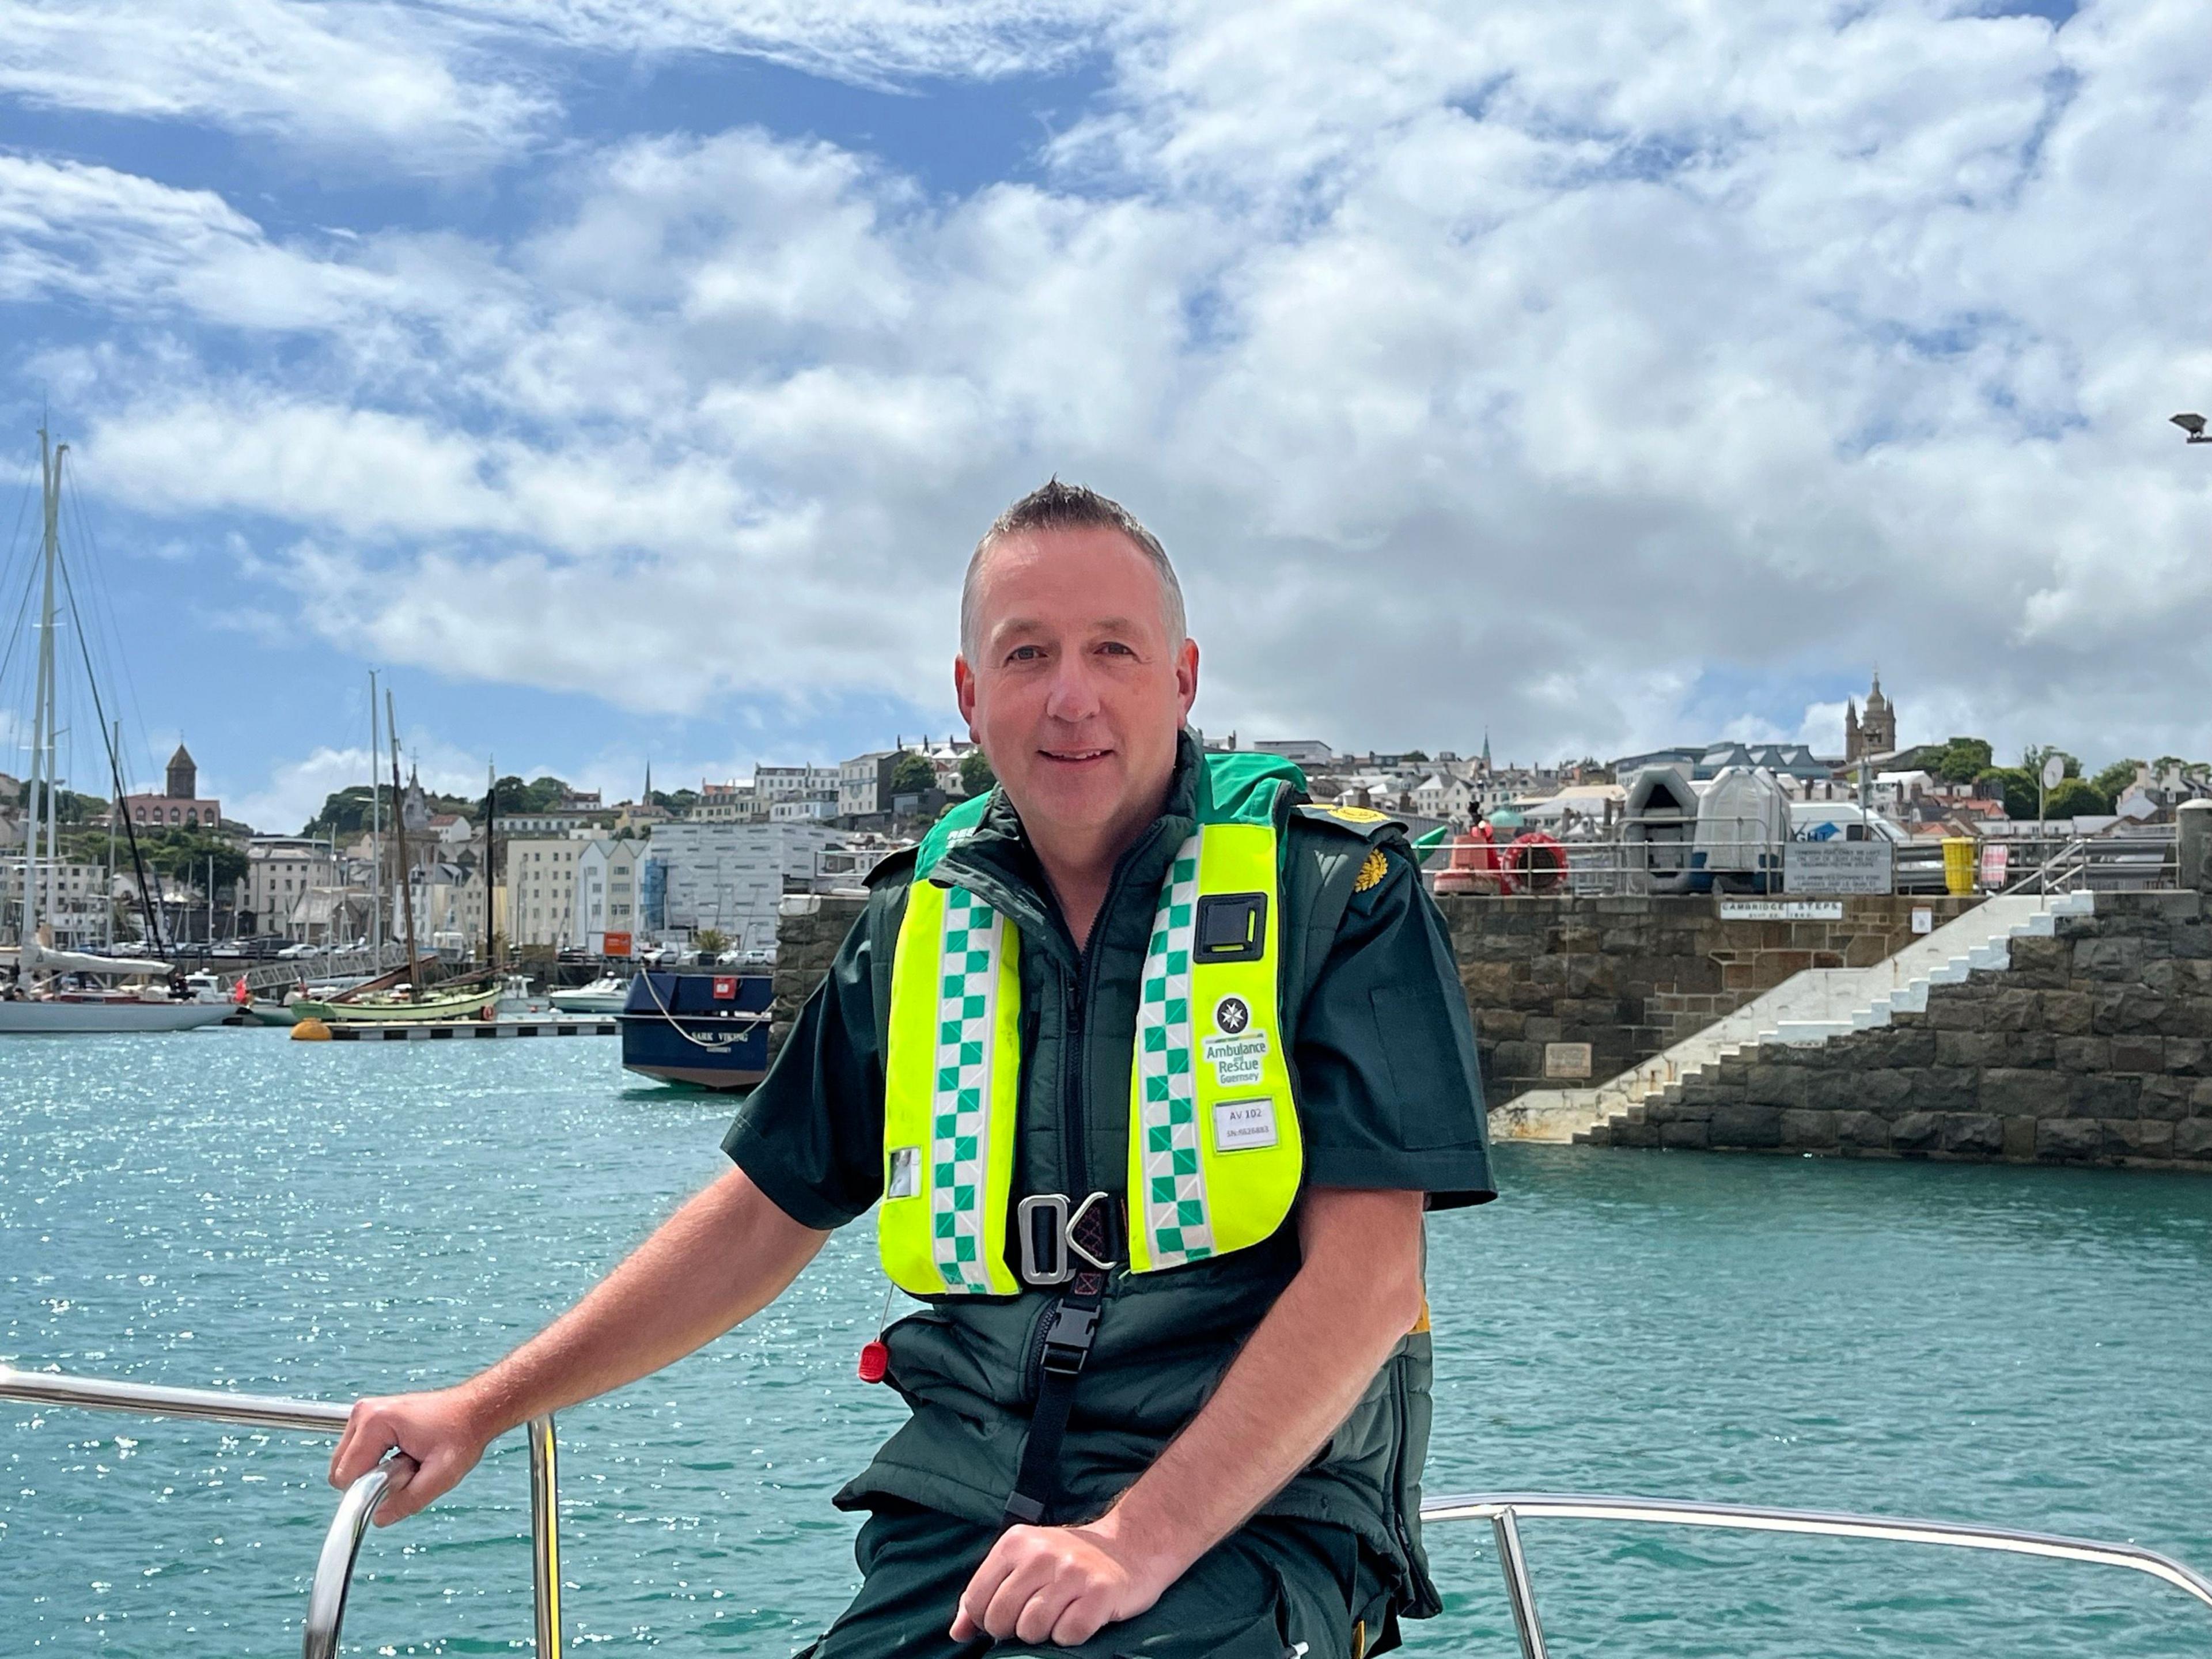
point(1611, 865)
point(326, 1597)
point(324, 965)
point(1505, 1510)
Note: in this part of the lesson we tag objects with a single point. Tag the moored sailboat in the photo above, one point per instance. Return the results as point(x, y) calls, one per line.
point(57, 992)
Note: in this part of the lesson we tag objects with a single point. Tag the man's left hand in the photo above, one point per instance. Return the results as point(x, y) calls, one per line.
point(1057, 1584)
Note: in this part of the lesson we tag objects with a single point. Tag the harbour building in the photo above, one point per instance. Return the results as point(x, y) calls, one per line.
point(541, 891)
point(73, 900)
point(281, 871)
point(609, 892)
point(731, 877)
point(180, 806)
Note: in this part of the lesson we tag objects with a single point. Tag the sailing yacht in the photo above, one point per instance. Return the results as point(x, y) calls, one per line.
point(41, 998)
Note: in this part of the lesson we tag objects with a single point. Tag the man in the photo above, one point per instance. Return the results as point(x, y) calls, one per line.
point(1153, 1070)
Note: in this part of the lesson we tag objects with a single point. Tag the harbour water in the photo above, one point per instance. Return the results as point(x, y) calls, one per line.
point(2021, 1346)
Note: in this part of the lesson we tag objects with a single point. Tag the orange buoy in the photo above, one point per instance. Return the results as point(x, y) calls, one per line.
point(310, 1031)
point(1473, 864)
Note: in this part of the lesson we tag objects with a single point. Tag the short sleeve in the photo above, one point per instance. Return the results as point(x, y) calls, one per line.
point(1390, 1085)
point(811, 1135)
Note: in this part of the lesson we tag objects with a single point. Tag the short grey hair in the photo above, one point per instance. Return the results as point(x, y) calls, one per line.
point(1057, 505)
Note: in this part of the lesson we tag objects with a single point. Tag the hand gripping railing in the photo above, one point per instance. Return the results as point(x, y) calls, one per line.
point(1503, 1510)
point(326, 1598)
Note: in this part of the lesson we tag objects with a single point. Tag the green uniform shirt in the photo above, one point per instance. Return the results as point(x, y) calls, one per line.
point(1384, 1072)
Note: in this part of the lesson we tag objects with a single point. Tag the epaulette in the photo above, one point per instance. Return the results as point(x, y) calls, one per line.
point(893, 864)
point(1365, 822)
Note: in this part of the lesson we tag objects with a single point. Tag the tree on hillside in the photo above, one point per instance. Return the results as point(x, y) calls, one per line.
point(345, 813)
point(975, 773)
point(513, 795)
point(183, 854)
point(676, 801)
point(2076, 798)
point(69, 806)
point(2120, 776)
point(913, 774)
point(2017, 789)
point(1964, 760)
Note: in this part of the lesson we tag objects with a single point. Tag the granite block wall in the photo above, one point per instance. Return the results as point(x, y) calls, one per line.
point(1632, 976)
point(1629, 976)
point(2093, 1047)
point(808, 931)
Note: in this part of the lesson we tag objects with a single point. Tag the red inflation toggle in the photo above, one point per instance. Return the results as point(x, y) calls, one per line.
point(875, 1361)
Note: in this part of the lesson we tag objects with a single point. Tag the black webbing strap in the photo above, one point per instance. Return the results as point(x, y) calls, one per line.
point(1066, 1348)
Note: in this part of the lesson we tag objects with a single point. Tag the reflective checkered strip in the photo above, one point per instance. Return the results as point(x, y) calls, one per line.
point(960, 1135)
point(1175, 1185)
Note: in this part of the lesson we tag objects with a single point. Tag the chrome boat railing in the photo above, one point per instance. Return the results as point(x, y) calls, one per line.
point(1503, 1510)
point(327, 1596)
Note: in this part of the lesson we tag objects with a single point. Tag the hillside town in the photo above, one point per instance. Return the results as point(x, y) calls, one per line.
point(704, 870)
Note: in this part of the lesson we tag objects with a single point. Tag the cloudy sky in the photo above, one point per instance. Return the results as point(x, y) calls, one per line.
point(627, 381)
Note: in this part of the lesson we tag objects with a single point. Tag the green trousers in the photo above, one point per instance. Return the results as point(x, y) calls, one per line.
point(1274, 1589)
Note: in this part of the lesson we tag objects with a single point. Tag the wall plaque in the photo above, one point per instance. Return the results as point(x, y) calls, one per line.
point(1567, 1060)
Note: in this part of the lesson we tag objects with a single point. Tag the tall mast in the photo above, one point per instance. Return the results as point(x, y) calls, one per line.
point(376, 833)
point(399, 831)
point(107, 893)
point(491, 859)
point(41, 801)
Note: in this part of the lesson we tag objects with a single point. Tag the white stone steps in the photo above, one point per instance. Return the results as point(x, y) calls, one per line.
point(1810, 1008)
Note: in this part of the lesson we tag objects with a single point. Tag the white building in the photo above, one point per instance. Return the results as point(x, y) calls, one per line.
point(860, 782)
point(1299, 751)
point(774, 783)
point(73, 900)
point(609, 890)
point(1442, 796)
point(279, 871)
point(449, 909)
point(541, 891)
point(726, 803)
point(730, 876)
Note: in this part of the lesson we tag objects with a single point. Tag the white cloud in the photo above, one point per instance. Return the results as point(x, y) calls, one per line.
point(294, 791)
point(447, 88)
point(404, 79)
point(1504, 367)
point(868, 40)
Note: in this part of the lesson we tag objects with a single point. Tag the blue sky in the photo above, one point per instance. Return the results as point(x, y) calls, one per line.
point(626, 383)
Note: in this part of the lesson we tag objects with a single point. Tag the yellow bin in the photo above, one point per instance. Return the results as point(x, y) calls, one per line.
point(1959, 853)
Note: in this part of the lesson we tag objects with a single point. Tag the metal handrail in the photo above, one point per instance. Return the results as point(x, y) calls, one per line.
point(316, 1416)
point(1503, 1510)
point(2069, 861)
point(327, 1596)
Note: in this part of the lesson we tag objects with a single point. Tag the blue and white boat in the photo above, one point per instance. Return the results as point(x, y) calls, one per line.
point(707, 1029)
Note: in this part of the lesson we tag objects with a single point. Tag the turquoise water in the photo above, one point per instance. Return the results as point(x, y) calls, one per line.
point(231, 1209)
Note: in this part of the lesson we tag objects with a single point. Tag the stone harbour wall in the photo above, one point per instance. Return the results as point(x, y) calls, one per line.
point(808, 931)
point(1632, 976)
point(2093, 1047)
point(1629, 976)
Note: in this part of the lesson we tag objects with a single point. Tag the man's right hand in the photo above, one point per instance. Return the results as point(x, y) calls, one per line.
point(441, 1433)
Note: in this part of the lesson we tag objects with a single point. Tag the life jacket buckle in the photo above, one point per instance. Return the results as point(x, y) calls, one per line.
point(1068, 1344)
point(1052, 1252)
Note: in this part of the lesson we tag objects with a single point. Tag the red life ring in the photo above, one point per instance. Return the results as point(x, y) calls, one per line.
point(1533, 863)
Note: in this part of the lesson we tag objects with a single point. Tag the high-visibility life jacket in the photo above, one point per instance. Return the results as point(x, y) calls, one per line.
point(1214, 1156)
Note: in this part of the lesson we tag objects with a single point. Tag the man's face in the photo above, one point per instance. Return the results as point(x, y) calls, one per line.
point(1076, 693)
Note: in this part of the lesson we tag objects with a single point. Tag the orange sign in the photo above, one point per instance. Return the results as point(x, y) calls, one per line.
point(617, 944)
